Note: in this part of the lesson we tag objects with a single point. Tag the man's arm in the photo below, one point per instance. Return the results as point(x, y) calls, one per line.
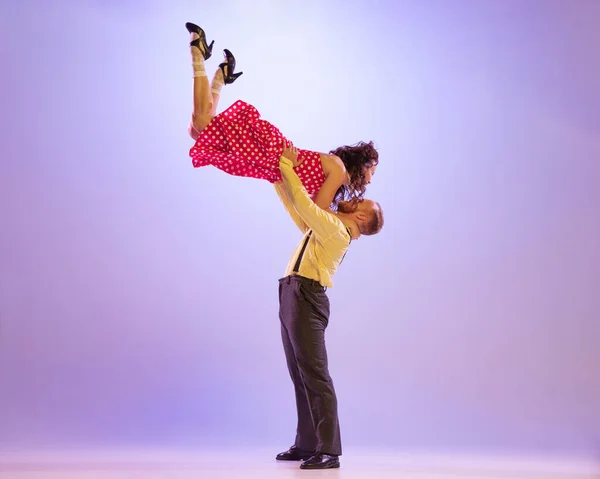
point(323, 224)
point(284, 197)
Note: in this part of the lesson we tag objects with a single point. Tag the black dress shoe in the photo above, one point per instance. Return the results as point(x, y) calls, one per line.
point(200, 43)
point(229, 64)
point(321, 461)
point(294, 454)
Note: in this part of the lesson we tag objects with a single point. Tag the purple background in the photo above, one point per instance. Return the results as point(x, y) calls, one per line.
point(138, 296)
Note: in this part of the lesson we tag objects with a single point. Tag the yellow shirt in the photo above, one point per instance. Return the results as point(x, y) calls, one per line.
point(328, 237)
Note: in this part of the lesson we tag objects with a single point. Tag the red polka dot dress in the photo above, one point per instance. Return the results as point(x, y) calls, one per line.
point(240, 143)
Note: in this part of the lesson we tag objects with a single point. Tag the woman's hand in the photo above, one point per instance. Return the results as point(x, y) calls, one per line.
point(291, 153)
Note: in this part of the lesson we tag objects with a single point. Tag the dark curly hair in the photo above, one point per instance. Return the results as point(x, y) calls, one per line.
point(357, 159)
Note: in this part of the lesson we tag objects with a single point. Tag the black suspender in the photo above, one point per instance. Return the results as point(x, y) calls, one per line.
point(299, 260)
point(349, 234)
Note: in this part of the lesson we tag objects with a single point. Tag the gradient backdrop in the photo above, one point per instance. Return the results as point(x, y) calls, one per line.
point(138, 296)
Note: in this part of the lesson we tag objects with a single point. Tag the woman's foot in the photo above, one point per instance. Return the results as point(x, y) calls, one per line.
point(228, 68)
point(199, 40)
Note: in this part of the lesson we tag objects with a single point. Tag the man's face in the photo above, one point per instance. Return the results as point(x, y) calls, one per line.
point(362, 207)
point(347, 207)
point(366, 213)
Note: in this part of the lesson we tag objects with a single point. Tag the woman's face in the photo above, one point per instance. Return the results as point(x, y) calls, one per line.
point(369, 172)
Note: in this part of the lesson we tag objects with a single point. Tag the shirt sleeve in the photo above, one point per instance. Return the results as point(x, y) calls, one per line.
point(284, 197)
point(323, 224)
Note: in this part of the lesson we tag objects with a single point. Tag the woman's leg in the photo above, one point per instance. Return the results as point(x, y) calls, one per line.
point(224, 74)
point(216, 86)
point(203, 98)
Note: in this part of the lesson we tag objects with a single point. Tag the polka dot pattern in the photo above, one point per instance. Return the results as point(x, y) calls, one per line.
point(240, 143)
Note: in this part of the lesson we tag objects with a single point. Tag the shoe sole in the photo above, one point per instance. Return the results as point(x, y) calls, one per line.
point(292, 460)
point(333, 466)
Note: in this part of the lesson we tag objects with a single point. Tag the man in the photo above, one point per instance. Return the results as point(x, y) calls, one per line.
point(304, 311)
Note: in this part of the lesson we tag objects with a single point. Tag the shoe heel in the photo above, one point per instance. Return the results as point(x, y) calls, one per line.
point(200, 44)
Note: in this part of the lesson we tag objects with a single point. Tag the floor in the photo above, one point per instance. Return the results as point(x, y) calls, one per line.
point(261, 465)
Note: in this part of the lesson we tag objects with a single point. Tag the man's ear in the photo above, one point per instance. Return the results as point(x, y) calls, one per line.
point(361, 215)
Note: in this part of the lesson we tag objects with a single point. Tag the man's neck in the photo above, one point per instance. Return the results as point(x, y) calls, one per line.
point(350, 224)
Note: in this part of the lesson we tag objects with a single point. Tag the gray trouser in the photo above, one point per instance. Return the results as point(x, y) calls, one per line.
point(304, 315)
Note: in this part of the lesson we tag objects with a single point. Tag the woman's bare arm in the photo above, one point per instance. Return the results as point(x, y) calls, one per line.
point(336, 176)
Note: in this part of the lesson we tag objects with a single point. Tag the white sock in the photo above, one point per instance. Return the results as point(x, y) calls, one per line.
point(217, 82)
point(197, 59)
point(198, 67)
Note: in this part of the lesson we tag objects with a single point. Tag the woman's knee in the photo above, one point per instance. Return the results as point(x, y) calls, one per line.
point(198, 124)
point(192, 131)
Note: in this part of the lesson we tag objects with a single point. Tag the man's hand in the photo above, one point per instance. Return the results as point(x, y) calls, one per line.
point(291, 153)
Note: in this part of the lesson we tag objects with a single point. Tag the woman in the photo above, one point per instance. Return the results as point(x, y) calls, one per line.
point(240, 143)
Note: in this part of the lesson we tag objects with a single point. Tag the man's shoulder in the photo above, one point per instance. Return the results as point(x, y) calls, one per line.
point(337, 228)
point(333, 218)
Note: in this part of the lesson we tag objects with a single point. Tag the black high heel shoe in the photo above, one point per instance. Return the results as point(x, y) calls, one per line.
point(229, 63)
point(200, 43)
